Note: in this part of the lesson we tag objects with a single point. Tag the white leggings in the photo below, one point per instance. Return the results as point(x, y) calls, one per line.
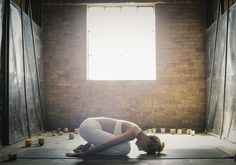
point(91, 131)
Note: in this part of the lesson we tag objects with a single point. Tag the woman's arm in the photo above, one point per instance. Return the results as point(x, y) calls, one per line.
point(128, 135)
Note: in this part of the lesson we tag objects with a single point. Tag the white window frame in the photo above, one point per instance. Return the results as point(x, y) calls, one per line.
point(135, 63)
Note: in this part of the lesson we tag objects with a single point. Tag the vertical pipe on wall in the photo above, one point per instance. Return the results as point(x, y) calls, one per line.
point(36, 65)
point(23, 53)
point(5, 66)
point(213, 64)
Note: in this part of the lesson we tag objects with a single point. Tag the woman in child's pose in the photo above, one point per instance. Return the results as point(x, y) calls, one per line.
point(108, 136)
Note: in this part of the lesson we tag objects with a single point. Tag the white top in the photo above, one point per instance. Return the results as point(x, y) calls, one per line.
point(118, 126)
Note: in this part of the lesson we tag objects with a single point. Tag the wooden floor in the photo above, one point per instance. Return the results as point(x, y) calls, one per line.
point(171, 141)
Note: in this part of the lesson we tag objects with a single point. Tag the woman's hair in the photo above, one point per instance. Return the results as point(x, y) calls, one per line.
point(154, 145)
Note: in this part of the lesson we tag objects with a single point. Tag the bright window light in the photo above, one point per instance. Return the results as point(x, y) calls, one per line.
point(121, 43)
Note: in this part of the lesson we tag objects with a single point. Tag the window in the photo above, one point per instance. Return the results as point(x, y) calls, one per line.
point(121, 43)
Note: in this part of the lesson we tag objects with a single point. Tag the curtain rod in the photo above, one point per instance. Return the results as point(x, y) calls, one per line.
point(121, 3)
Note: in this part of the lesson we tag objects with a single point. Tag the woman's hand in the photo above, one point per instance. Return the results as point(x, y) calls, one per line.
point(77, 154)
point(82, 148)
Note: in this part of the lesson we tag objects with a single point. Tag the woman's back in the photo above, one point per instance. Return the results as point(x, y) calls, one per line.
point(111, 124)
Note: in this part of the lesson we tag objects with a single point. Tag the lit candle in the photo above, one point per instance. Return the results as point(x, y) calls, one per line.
point(179, 131)
point(60, 133)
point(163, 130)
point(154, 130)
point(173, 131)
point(192, 133)
point(28, 142)
point(41, 141)
point(189, 131)
point(65, 129)
point(76, 130)
point(58, 130)
point(71, 135)
point(12, 156)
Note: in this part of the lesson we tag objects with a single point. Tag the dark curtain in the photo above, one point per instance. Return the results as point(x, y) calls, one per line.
point(17, 107)
point(216, 82)
point(222, 119)
point(25, 108)
point(1, 75)
point(229, 130)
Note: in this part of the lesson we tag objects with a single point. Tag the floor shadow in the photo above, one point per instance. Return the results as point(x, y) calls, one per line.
point(107, 160)
point(148, 156)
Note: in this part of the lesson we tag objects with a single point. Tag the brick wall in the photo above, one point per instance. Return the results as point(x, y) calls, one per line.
point(175, 99)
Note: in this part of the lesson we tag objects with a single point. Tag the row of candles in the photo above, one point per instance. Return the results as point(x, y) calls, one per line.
point(173, 131)
point(72, 135)
point(28, 142)
point(59, 131)
point(65, 130)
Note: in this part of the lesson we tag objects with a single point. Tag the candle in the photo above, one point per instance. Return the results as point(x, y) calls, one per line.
point(54, 132)
point(60, 133)
point(41, 141)
point(192, 133)
point(58, 130)
point(71, 135)
point(12, 156)
point(76, 130)
point(28, 142)
point(149, 130)
point(154, 130)
point(173, 131)
point(65, 129)
point(163, 130)
point(189, 131)
point(179, 131)
point(184, 130)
